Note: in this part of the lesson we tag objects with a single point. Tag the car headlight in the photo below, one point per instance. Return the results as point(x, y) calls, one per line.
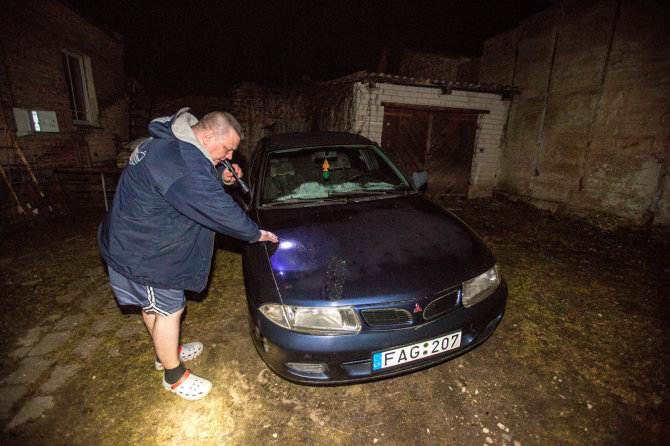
point(480, 287)
point(315, 320)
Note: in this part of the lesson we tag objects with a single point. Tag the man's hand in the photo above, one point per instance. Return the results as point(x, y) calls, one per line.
point(267, 236)
point(227, 175)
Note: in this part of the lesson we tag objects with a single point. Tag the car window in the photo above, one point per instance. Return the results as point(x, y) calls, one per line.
point(328, 171)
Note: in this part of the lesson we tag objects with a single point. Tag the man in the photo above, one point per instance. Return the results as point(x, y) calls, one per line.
point(158, 236)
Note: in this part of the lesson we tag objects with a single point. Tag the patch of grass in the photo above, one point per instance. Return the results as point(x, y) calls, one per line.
point(579, 357)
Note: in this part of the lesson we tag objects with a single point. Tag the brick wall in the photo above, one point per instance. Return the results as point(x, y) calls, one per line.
point(369, 118)
point(33, 35)
point(590, 130)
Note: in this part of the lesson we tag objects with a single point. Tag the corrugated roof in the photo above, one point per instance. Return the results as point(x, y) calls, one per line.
point(448, 85)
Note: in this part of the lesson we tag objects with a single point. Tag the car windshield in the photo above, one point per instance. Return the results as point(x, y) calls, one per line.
point(311, 173)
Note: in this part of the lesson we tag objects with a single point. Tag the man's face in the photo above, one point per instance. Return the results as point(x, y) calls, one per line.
point(222, 147)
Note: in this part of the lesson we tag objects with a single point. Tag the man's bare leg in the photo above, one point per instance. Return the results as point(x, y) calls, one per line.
point(149, 319)
point(164, 331)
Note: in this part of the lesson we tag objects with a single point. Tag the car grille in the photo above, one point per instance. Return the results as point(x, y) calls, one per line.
point(386, 316)
point(441, 305)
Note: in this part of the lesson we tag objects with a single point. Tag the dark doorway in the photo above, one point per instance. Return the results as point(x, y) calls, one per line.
point(438, 140)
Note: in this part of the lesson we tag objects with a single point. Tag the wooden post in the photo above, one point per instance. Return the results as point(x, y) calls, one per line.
point(104, 190)
point(32, 174)
point(25, 211)
point(25, 162)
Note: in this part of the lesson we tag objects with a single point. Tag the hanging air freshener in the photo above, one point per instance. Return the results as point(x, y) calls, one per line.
point(325, 166)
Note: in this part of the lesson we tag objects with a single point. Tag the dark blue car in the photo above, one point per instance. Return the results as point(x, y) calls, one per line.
point(370, 278)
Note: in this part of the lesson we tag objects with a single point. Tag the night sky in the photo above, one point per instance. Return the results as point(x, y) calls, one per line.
point(207, 46)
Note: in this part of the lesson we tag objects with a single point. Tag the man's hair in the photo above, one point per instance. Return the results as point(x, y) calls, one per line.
point(221, 122)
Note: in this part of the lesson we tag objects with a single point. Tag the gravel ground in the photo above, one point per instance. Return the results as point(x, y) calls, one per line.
point(579, 357)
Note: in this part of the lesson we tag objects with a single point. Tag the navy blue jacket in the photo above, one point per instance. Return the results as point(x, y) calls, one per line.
point(160, 228)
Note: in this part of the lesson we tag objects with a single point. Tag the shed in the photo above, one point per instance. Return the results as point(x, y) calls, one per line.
point(451, 130)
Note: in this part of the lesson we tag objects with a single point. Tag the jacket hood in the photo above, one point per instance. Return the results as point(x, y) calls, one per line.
point(178, 126)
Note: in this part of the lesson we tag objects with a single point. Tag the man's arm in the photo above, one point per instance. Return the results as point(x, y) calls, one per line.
point(204, 201)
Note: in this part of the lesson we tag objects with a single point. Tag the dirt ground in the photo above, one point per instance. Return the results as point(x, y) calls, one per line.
point(580, 357)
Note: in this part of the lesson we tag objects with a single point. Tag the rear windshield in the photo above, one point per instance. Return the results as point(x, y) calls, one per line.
point(328, 171)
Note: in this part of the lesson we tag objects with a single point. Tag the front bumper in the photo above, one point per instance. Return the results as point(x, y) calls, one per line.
point(348, 358)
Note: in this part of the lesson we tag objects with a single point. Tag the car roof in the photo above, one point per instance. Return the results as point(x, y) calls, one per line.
point(307, 139)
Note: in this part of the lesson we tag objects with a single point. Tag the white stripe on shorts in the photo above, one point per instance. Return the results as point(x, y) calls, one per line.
point(152, 303)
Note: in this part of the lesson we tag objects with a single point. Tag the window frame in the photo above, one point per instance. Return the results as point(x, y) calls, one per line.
point(85, 72)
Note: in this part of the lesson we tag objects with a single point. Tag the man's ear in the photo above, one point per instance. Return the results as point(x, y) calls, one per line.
point(208, 136)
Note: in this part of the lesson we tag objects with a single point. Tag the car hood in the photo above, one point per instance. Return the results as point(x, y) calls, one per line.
point(373, 251)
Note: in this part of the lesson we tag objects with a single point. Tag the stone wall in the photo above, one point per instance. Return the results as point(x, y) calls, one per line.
point(590, 131)
point(426, 65)
point(261, 110)
point(369, 119)
point(144, 108)
point(264, 111)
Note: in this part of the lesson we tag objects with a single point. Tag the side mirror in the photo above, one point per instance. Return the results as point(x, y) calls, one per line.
point(420, 180)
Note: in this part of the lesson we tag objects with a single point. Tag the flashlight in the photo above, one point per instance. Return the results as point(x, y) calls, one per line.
point(228, 166)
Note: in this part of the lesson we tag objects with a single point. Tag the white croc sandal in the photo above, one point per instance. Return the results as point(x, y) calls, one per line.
point(186, 353)
point(190, 386)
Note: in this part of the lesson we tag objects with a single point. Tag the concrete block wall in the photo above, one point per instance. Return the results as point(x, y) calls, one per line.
point(581, 40)
point(629, 156)
point(526, 64)
point(498, 66)
point(589, 131)
point(33, 35)
point(369, 118)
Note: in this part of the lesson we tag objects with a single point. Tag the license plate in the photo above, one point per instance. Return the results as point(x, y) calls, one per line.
point(415, 352)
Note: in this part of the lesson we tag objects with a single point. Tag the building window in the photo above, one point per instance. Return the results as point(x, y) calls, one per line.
point(80, 84)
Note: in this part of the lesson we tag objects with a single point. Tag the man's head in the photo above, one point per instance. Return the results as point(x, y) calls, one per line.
point(219, 133)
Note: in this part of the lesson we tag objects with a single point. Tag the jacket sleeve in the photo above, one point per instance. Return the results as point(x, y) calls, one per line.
point(202, 199)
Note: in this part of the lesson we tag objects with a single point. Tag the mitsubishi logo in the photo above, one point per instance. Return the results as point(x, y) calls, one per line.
point(417, 308)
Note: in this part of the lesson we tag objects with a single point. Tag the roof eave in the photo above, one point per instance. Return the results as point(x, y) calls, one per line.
point(447, 86)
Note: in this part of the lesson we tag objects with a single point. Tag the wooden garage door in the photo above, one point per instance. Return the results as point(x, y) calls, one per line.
point(438, 140)
point(451, 148)
point(404, 138)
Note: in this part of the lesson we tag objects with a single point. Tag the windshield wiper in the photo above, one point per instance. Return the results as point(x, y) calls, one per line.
point(291, 201)
point(303, 201)
point(363, 192)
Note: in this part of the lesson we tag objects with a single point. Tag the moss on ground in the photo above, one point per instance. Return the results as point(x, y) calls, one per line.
point(579, 358)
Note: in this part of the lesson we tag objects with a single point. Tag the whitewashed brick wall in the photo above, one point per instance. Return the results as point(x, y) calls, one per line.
point(369, 119)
